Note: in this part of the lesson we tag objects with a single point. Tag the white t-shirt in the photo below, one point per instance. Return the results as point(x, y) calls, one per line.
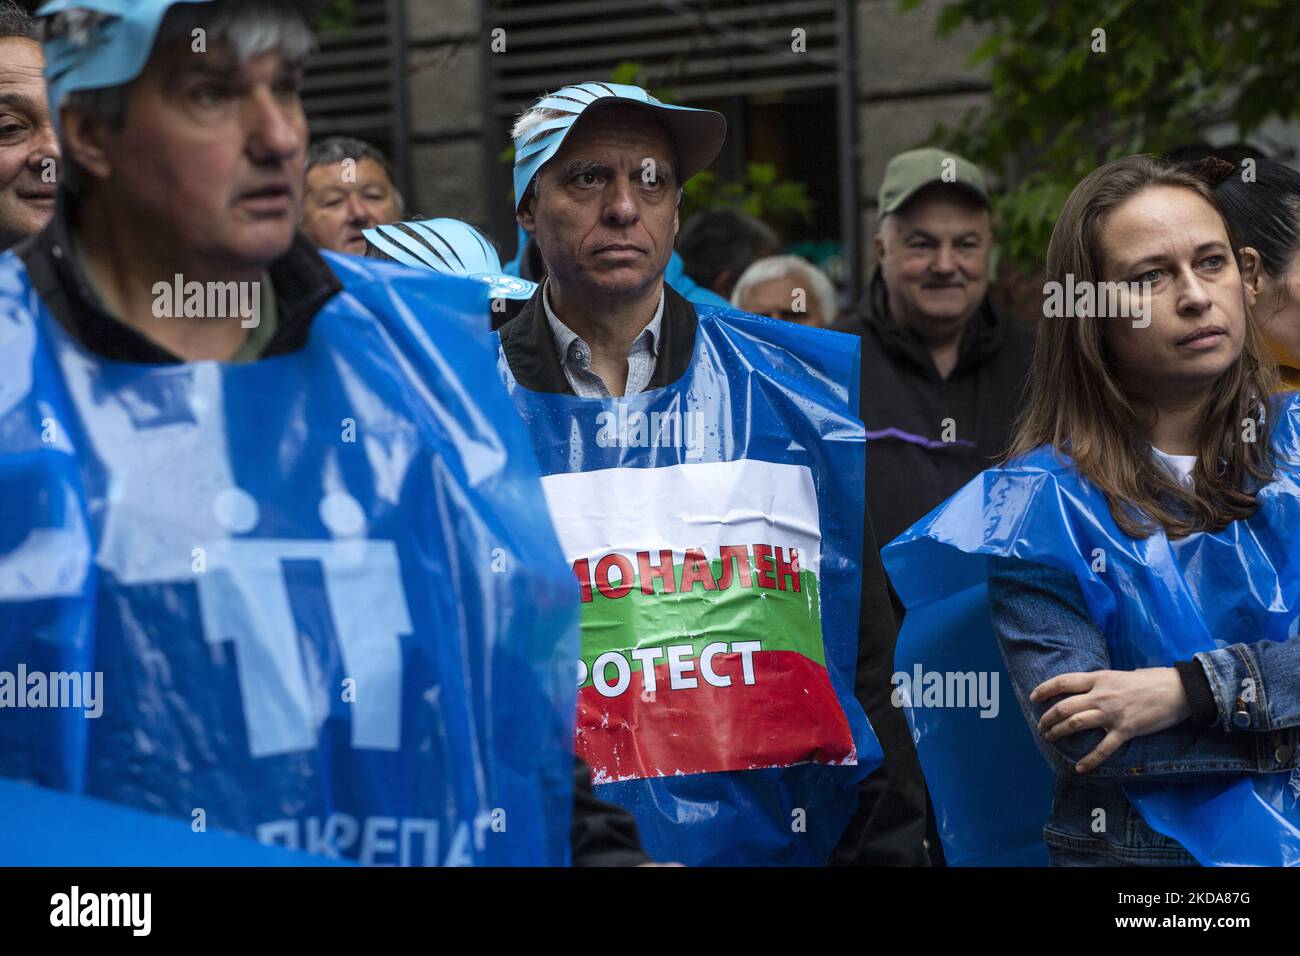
point(1180, 466)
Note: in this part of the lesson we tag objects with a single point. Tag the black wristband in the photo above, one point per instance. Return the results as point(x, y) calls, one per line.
point(1199, 696)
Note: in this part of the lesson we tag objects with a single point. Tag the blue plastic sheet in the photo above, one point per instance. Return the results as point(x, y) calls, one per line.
point(756, 445)
point(60, 829)
point(1157, 601)
point(991, 788)
point(321, 590)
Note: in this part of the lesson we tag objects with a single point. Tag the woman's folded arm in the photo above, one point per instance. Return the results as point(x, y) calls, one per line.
point(1044, 630)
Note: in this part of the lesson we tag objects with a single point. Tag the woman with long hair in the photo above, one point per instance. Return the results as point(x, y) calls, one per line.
point(1139, 540)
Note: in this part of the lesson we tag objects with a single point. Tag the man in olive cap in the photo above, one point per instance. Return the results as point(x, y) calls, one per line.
point(941, 370)
point(943, 366)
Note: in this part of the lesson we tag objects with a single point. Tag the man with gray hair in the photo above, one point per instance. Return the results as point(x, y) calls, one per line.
point(649, 415)
point(787, 288)
point(29, 148)
point(350, 188)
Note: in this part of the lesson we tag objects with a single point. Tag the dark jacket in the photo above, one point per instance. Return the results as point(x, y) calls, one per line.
point(911, 468)
point(302, 281)
point(889, 826)
point(602, 834)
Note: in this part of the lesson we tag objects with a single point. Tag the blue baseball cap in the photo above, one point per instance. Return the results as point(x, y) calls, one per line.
point(114, 44)
point(697, 134)
point(451, 247)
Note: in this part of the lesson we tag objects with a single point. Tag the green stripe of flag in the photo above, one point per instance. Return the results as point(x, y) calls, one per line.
point(782, 620)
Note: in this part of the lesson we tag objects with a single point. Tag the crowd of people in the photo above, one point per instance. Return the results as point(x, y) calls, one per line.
point(321, 538)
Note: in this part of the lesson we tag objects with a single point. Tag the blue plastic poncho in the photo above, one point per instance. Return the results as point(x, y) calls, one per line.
point(1157, 601)
point(62, 829)
point(321, 592)
point(715, 530)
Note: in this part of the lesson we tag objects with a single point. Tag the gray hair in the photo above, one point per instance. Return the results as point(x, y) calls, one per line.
point(776, 267)
point(252, 27)
point(529, 120)
point(335, 149)
point(16, 22)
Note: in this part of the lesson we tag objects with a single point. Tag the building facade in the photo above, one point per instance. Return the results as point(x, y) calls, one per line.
point(824, 90)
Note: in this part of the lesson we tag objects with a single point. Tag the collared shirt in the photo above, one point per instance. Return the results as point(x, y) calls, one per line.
point(575, 354)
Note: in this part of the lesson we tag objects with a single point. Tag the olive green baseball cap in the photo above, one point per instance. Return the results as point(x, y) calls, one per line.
point(909, 172)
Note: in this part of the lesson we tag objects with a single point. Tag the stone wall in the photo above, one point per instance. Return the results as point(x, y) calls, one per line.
point(908, 80)
point(445, 49)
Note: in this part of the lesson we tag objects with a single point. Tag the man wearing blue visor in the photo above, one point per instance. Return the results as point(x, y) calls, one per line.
point(694, 460)
point(271, 502)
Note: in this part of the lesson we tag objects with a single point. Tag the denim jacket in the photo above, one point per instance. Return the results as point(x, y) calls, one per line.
point(1044, 629)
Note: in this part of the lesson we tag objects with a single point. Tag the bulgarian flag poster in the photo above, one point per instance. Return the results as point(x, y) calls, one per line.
point(702, 643)
point(714, 531)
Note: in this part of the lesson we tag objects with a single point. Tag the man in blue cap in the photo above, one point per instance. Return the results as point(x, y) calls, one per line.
point(599, 171)
point(605, 263)
point(185, 139)
point(323, 616)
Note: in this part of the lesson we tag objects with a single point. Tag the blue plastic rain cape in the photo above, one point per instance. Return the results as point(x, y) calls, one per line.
point(715, 530)
point(61, 829)
point(321, 594)
point(1157, 601)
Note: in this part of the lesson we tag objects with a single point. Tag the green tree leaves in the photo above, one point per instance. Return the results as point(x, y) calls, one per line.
point(1065, 98)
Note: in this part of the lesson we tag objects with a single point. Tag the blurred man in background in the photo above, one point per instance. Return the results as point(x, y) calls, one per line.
point(350, 188)
point(28, 146)
point(788, 288)
point(718, 245)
